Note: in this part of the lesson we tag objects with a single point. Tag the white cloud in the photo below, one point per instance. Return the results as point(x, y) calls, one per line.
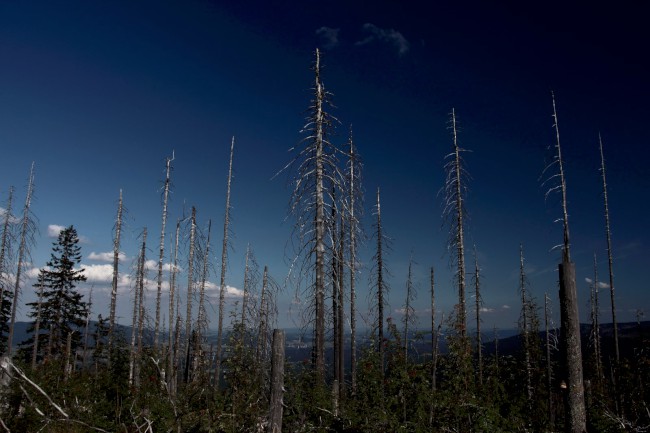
point(212, 290)
point(106, 256)
point(99, 273)
point(505, 307)
point(53, 230)
point(329, 37)
point(486, 310)
point(388, 36)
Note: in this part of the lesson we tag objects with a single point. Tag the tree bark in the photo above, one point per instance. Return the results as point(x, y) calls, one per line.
point(277, 383)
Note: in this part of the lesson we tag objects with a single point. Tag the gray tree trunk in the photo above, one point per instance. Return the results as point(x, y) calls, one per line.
point(161, 249)
point(116, 264)
point(277, 383)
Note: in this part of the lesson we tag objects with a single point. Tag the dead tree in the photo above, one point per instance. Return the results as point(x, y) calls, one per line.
point(379, 284)
point(549, 365)
point(316, 173)
point(575, 414)
point(409, 319)
point(454, 215)
point(595, 322)
point(37, 322)
point(190, 289)
point(172, 344)
point(137, 323)
point(336, 290)
point(224, 265)
point(354, 209)
point(524, 325)
point(478, 303)
point(116, 264)
point(277, 383)
point(161, 249)
point(87, 328)
point(27, 228)
point(610, 258)
point(202, 321)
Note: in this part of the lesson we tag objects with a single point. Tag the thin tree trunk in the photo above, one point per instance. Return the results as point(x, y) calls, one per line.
point(525, 325)
point(335, 299)
point(353, 225)
point(460, 233)
point(202, 317)
point(224, 263)
point(37, 324)
point(244, 303)
point(116, 263)
point(434, 344)
point(595, 322)
point(380, 288)
point(479, 303)
point(263, 313)
point(341, 315)
point(173, 344)
point(161, 249)
point(610, 259)
point(23, 256)
point(549, 367)
point(87, 328)
point(141, 280)
point(190, 284)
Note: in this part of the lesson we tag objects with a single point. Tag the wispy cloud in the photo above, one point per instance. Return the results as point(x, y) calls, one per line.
point(601, 285)
point(12, 218)
point(390, 37)
point(329, 37)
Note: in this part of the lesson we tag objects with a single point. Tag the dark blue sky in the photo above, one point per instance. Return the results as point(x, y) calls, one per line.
point(99, 93)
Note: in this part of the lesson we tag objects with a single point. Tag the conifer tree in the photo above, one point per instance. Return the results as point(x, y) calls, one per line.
point(62, 309)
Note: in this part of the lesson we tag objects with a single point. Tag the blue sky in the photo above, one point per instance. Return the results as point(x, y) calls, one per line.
point(98, 94)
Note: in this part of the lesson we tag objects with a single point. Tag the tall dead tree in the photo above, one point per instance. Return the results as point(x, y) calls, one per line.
point(161, 249)
point(137, 322)
point(354, 207)
point(224, 265)
point(202, 321)
point(595, 322)
point(409, 319)
point(610, 257)
point(379, 285)
point(116, 264)
point(316, 172)
point(454, 214)
point(87, 328)
point(575, 413)
point(478, 304)
point(524, 325)
point(27, 228)
point(172, 346)
point(336, 289)
point(549, 364)
point(190, 287)
point(37, 323)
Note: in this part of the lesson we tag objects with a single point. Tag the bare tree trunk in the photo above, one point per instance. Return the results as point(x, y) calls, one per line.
point(459, 235)
point(116, 263)
point(27, 228)
point(244, 303)
point(549, 367)
point(161, 249)
point(575, 398)
point(335, 299)
point(37, 324)
point(479, 303)
point(87, 328)
point(67, 366)
point(595, 322)
point(341, 315)
point(525, 325)
point(610, 259)
point(353, 227)
point(380, 287)
point(277, 383)
point(260, 351)
point(173, 344)
point(190, 285)
point(202, 321)
point(224, 265)
point(434, 344)
point(319, 246)
point(141, 281)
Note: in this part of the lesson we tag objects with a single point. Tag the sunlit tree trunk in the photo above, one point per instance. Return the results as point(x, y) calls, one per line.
point(161, 249)
point(116, 264)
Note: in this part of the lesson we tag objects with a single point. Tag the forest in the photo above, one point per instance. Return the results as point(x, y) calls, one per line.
point(178, 368)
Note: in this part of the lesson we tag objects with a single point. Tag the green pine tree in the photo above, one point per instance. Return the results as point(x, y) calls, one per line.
point(63, 310)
